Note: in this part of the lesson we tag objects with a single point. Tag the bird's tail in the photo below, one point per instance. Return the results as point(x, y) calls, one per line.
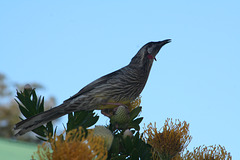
point(39, 119)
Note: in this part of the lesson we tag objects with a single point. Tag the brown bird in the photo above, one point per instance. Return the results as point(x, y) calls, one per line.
point(114, 89)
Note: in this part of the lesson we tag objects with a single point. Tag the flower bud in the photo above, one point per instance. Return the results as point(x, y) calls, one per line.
point(105, 133)
point(28, 87)
point(126, 133)
point(121, 116)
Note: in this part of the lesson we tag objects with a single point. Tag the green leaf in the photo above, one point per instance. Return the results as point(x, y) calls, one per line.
point(128, 144)
point(26, 93)
point(32, 106)
point(135, 154)
point(34, 97)
point(42, 139)
point(70, 123)
point(55, 130)
point(38, 104)
point(80, 116)
point(138, 120)
point(90, 122)
point(134, 113)
point(136, 138)
point(23, 110)
point(41, 131)
point(144, 150)
point(41, 106)
point(49, 127)
point(119, 157)
point(27, 102)
point(29, 106)
point(115, 146)
point(135, 124)
point(20, 95)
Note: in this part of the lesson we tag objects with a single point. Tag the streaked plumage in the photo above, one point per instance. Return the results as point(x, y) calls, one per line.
point(121, 86)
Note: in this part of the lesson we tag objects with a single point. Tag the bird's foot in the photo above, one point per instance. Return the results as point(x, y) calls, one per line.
point(110, 112)
point(106, 112)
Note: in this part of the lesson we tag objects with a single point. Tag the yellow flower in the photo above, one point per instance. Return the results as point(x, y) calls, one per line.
point(135, 103)
point(169, 141)
point(75, 146)
point(208, 153)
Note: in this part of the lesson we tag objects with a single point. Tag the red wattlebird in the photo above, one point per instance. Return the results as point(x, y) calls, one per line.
point(117, 88)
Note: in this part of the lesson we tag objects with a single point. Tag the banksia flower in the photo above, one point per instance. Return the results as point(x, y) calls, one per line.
point(208, 153)
point(168, 142)
point(75, 146)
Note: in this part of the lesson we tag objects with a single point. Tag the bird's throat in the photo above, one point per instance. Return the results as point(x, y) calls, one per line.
point(151, 57)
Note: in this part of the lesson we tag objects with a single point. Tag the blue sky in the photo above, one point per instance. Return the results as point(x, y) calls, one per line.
point(64, 45)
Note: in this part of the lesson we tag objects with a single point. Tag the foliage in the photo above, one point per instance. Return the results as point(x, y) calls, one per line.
point(9, 112)
point(121, 138)
point(83, 118)
point(30, 105)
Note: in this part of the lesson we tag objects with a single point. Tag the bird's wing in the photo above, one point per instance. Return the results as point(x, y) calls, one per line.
point(97, 82)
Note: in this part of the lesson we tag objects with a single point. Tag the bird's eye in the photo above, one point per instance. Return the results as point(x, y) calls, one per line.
point(149, 48)
point(150, 45)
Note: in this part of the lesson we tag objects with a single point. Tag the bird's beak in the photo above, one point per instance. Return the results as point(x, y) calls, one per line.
point(159, 46)
point(162, 43)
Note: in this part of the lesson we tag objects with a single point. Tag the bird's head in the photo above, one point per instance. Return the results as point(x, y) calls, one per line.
point(148, 52)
